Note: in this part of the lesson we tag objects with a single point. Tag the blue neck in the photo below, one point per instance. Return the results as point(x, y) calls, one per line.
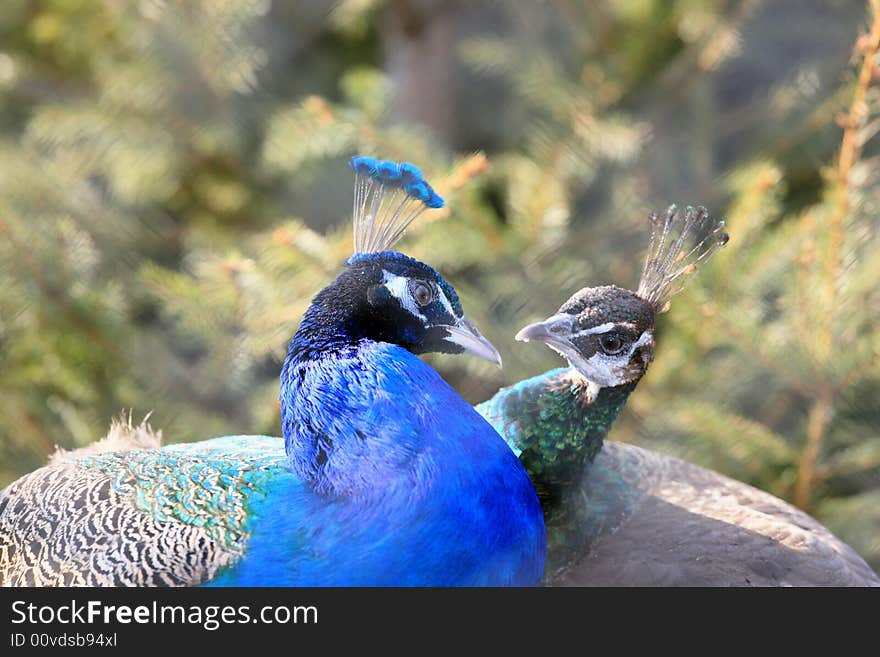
point(328, 326)
point(394, 477)
point(329, 386)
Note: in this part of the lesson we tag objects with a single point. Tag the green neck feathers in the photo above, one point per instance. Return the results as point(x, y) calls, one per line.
point(556, 427)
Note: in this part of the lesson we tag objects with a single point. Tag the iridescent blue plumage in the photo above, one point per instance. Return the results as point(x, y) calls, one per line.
point(384, 475)
point(393, 478)
point(393, 175)
point(416, 493)
point(388, 196)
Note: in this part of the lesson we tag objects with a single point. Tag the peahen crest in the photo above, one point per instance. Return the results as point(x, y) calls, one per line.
point(388, 196)
point(678, 242)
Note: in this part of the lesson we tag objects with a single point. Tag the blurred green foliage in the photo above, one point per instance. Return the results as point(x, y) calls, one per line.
point(173, 190)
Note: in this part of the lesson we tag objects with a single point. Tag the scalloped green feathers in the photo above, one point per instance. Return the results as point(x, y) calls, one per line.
point(203, 489)
point(556, 429)
point(168, 517)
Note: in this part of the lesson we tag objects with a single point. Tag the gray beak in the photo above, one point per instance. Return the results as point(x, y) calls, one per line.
point(537, 331)
point(466, 335)
point(554, 330)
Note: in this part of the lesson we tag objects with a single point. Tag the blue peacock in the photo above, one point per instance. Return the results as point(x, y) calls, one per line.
point(620, 515)
point(384, 475)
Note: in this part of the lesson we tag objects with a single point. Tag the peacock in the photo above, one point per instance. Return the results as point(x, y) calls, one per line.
point(620, 515)
point(384, 476)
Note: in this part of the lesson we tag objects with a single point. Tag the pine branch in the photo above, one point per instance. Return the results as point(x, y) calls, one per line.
point(849, 152)
point(822, 406)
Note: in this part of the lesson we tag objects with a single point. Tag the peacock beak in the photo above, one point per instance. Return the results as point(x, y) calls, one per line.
point(466, 335)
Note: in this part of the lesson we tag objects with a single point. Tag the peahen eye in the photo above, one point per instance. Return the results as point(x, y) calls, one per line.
point(611, 343)
point(421, 292)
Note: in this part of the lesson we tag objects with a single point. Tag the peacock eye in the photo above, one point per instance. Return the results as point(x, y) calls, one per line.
point(611, 343)
point(421, 292)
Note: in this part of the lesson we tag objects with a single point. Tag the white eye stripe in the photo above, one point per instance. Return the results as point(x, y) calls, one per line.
point(644, 338)
point(604, 328)
point(398, 286)
point(446, 305)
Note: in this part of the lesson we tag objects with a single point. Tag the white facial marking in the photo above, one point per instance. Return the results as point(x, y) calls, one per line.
point(606, 371)
point(644, 338)
point(602, 328)
point(398, 286)
point(447, 306)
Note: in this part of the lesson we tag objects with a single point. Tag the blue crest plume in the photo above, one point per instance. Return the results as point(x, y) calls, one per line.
point(388, 196)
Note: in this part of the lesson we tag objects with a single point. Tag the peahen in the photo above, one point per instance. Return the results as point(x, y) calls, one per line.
point(617, 514)
point(384, 476)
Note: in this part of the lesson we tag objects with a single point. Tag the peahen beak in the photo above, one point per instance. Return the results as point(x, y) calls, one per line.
point(466, 335)
point(554, 330)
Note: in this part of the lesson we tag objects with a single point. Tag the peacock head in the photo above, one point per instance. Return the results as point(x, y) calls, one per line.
point(405, 302)
point(384, 295)
point(607, 333)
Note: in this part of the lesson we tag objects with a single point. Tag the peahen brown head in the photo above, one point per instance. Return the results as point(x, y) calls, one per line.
point(607, 333)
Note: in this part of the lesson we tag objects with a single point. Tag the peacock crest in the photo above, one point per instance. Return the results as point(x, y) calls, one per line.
point(679, 241)
point(388, 197)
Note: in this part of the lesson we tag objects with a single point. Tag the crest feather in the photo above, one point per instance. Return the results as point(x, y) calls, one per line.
point(388, 196)
point(678, 242)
